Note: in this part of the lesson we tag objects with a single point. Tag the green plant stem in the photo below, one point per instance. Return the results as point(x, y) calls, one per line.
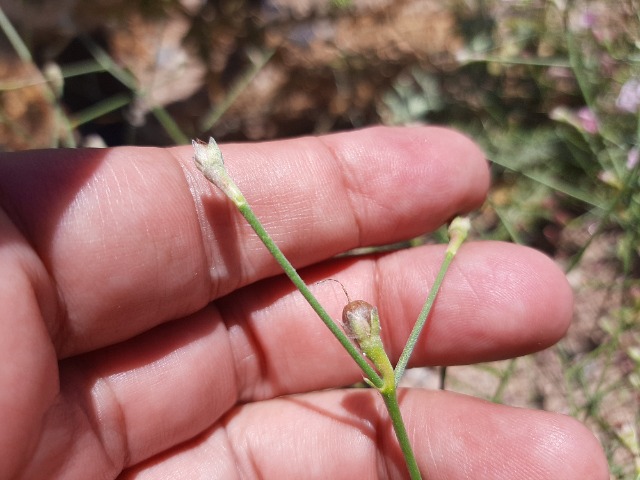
point(291, 272)
point(364, 321)
point(14, 38)
point(99, 109)
point(50, 95)
point(458, 233)
point(212, 118)
point(385, 385)
point(390, 398)
point(170, 126)
point(371, 344)
point(422, 319)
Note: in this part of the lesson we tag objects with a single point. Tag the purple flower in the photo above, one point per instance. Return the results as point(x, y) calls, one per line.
point(588, 19)
point(632, 158)
point(588, 120)
point(583, 119)
point(629, 97)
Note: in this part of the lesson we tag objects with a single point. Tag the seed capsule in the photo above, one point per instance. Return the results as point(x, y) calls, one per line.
point(360, 320)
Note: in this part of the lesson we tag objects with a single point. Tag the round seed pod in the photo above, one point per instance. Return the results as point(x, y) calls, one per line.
point(356, 317)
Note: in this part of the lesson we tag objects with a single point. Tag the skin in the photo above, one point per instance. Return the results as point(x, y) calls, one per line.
point(146, 333)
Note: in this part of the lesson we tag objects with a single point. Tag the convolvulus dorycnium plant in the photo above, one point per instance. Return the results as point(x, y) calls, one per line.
point(360, 319)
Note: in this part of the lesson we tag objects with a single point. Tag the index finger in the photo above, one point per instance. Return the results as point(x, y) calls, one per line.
point(134, 237)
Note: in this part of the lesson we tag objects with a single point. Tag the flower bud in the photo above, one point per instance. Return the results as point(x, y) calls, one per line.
point(208, 159)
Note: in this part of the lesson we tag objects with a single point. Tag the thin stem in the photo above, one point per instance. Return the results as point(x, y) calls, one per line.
point(385, 385)
point(291, 272)
point(458, 232)
point(422, 319)
point(208, 159)
point(216, 114)
point(391, 402)
point(99, 109)
point(170, 125)
point(14, 38)
point(364, 321)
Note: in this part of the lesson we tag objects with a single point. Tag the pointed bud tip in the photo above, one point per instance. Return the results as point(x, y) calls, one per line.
point(207, 155)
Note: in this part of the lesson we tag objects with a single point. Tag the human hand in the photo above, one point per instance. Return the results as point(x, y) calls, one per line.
point(147, 333)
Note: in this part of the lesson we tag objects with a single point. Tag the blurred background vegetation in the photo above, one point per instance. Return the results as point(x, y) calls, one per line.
point(549, 88)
